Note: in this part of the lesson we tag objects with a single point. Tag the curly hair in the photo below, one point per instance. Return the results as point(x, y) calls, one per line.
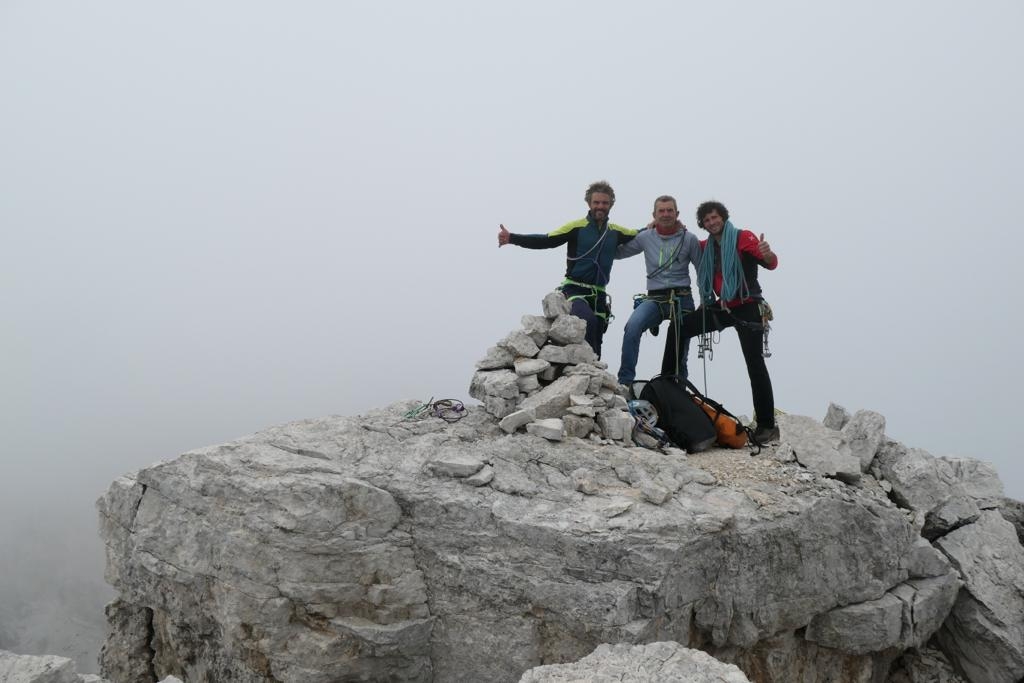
point(601, 187)
point(711, 206)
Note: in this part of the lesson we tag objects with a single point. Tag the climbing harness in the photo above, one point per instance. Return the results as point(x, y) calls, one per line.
point(592, 298)
point(708, 338)
point(675, 317)
point(600, 273)
point(674, 299)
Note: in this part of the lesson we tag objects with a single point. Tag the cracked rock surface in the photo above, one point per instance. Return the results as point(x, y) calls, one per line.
point(379, 547)
point(639, 664)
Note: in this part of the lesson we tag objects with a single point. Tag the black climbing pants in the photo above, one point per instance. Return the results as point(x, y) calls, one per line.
point(746, 318)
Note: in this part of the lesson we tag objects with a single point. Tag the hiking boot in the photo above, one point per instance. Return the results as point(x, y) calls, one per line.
point(763, 435)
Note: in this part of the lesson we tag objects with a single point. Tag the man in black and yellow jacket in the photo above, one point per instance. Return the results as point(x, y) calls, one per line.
point(592, 243)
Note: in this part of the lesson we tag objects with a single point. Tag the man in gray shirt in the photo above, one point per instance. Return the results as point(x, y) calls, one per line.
point(669, 250)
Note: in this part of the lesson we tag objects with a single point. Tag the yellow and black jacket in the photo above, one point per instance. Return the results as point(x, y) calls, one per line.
point(591, 248)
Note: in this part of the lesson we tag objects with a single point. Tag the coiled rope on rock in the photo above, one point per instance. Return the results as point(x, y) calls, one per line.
point(448, 409)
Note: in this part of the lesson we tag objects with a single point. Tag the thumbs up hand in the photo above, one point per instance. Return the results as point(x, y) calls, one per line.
point(502, 236)
point(765, 250)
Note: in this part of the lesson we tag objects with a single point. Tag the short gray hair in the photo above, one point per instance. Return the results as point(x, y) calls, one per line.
point(665, 198)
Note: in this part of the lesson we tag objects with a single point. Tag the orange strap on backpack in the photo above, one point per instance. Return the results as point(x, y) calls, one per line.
point(731, 433)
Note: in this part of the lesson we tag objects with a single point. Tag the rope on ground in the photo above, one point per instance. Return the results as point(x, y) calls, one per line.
point(419, 410)
point(448, 409)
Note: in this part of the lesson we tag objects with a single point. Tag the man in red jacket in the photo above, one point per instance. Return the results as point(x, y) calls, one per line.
point(731, 297)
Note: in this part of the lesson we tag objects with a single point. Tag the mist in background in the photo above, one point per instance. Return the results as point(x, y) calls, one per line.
point(216, 217)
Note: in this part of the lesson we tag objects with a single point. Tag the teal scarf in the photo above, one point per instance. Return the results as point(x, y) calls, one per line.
point(733, 282)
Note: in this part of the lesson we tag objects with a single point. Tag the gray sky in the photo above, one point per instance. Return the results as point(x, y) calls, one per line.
point(216, 217)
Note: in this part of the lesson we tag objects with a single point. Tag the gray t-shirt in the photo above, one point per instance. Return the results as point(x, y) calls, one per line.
point(668, 257)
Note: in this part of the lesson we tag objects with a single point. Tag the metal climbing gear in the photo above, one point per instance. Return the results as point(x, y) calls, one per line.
point(766, 317)
point(704, 346)
point(706, 339)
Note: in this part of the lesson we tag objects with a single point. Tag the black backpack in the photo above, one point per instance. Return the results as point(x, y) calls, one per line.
point(685, 423)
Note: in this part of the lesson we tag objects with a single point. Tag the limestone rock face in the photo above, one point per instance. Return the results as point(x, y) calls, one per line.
point(380, 547)
point(907, 616)
point(818, 448)
point(639, 664)
point(16, 668)
point(1013, 512)
point(836, 417)
point(984, 635)
point(922, 482)
point(290, 587)
point(398, 546)
point(863, 434)
point(925, 665)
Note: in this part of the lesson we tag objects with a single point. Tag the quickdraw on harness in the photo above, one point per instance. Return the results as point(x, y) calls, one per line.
point(708, 337)
point(448, 409)
point(766, 317)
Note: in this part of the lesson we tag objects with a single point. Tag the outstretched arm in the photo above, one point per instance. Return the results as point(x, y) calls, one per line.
point(531, 241)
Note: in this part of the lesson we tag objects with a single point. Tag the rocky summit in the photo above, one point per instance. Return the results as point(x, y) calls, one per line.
point(407, 544)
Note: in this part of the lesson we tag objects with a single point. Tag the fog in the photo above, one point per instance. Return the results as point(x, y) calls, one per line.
point(216, 217)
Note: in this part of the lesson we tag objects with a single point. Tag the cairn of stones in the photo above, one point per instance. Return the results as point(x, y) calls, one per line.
point(545, 378)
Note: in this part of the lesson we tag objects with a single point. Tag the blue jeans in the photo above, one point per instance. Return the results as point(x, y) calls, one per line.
point(650, 314)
